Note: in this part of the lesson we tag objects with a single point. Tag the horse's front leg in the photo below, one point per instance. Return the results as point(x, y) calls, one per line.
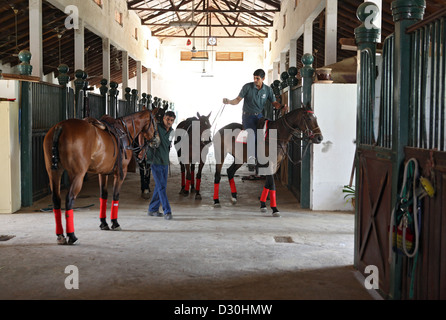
point(198, 180)
point(103, 196)
point(117, 184)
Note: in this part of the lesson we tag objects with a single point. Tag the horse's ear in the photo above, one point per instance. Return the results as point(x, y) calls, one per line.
point(209, 115)
point(198, 115)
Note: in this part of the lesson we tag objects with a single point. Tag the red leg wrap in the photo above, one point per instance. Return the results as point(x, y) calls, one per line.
point(198, 185)
point(187, 185)
point(69, 218)
point(216, 191)
point(114, 210)
point(58, 217)
point(273, 199)
point(103, 209)
point(183, 179)
point(233, 187)
point(264, 196)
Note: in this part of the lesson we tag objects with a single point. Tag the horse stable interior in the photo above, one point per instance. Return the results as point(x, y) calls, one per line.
point(381, 111)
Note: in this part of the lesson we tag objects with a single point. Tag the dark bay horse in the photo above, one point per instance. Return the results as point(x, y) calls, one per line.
point(197, 147)
point(277, 136)
point(99, 147)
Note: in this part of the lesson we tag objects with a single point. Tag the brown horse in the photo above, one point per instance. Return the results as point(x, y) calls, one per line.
point(99, 147)
point(188, 161)
point(278, 133)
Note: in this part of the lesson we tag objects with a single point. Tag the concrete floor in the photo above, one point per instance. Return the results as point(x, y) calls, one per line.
point(204, 253)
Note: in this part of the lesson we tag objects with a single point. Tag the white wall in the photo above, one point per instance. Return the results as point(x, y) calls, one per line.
point(335, 108)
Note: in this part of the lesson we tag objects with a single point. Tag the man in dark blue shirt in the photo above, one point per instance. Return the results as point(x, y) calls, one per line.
point(255, 95)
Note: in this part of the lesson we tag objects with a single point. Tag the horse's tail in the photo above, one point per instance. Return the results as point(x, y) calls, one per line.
point(55, 150)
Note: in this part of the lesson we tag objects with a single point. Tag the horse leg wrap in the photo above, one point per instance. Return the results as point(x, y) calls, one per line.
point(198, 185)
point(183, 179)
point(103, 209)
point(69, 218)
point(114, 210)
point(233, 187)
point(264, 196)
point(58, 217)
point(273, 198)
point(216, 191)
point(187, 188)
point(192, 181)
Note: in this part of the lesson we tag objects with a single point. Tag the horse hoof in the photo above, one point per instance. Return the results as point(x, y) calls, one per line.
point(198, 196)
point(104, 227)
point(276, 214)
point(116, 228)
point(263, 210)
point(217, 205)
point(234, 200)
point(61, 240)
point(72, 240)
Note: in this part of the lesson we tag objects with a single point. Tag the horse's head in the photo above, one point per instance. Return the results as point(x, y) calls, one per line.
point(309, 126)
point(205, 124)
point(149, 133)
point(158, 113)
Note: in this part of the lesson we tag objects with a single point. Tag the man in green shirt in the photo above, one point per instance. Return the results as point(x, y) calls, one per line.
point(256, 94)
point(159, 160)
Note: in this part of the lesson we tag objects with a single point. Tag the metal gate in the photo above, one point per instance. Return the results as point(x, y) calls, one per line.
point(406, 121)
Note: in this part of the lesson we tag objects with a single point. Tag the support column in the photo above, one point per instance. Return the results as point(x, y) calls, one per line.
point(405, 13)
point(283, 67)
point(139, 76)
point(308, 37)
point(35, 37)
point(331, 32)
point(79, 47)
point(149, 81)
point(106, 59)
point(276, 71)
point(293, 53)
point(125, 72)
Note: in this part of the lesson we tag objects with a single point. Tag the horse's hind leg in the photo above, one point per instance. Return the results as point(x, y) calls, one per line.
point(231, 174)
point(117, 184)
point(192, 177)
point(103, 180)
point(198, 180)
point(188, 181)
point(75, 188)
point(55, 177)
point(183, 177)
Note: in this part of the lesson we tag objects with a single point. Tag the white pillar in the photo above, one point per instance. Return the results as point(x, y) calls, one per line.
point(106, 59)
point(282, 64)
point(139, 77)
point(308, 37)
point(149, 81)
point(276, 71)
point(35, 37)
point(331, 29)
point(125, 72)
point(293, 53)
point(79, 47)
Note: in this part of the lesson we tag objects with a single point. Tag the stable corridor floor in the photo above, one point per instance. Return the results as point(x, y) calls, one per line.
point(204, 253)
